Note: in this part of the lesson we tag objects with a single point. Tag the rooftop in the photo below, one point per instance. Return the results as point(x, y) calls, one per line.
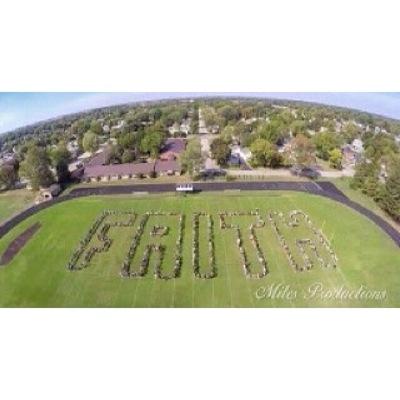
point(173, 145)
point(166, 166)
point(97, 171)
point(98, 159)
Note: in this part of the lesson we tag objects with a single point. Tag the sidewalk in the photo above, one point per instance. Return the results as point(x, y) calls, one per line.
point(284, 172)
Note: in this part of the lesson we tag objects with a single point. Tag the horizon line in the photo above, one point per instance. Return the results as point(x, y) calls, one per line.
point(195, 96)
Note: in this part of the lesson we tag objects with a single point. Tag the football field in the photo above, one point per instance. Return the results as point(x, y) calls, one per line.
point(248, 249)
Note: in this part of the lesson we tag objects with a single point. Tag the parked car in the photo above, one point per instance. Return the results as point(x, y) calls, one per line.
point(307, 172)
point(212, 173)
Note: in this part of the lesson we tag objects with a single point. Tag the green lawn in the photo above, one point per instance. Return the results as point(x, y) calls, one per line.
point(356, 195)
point(38, 276)
point(13, 201)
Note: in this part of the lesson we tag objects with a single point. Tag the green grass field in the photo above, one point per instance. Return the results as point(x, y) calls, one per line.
point(14, 201)
point(343, 184)
point(38, 276)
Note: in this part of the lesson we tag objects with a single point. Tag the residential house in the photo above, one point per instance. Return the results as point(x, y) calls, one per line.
point(243, 152)
point(174, 129)
point(172, 149)
point(99, 158)
point(249, 121)
point(350, 157)
point(182, 128)
point(119, 125)
point(352, 153)
point(358, 146)
point(185, 126)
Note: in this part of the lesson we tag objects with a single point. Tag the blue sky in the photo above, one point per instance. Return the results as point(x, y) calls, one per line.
point(19, 109)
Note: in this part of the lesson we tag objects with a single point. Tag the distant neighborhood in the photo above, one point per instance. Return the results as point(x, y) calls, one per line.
point(232, 139)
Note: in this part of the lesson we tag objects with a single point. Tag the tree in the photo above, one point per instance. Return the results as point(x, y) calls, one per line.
point(36, 167)
point(79, 127)
point(90, 142)
point(128, 156)
point(324, 143)
point(350, 132)
point(151, 143)
point(60, 153)
point(60, 158)
point(96, 127)
point(265, 154)
point(390, 199)
point(155, 114)
point(303, 151)
point(220, 151)
point(192, 158)
point(8, 176)
point(194, 126)
point(335, 159)
point(379, 146)
point(113, 154)
point(63, 173)
point(274, 131)
point(210, 116)
point(366, 178)
point(362, 170)
point(315, 123)
point(229, 113)
point(127, 140)
point(243, 133)
point(298, 126)
point(228, 133)
point(372, 187)
point(330, 125)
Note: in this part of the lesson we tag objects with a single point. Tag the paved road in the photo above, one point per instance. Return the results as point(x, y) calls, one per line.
point(206, 141)
point(325, 189)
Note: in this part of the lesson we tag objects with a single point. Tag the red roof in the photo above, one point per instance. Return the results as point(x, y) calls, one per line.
point(173, 145)
point(167, 166)
point(98, 171)
point(98, 159)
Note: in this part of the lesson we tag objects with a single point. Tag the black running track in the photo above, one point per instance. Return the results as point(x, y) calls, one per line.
point(325, 189)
